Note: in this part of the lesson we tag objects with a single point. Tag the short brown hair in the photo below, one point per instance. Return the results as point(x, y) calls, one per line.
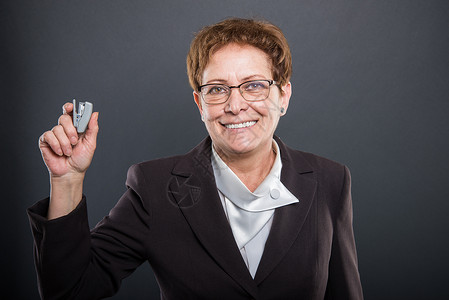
point(260, 34)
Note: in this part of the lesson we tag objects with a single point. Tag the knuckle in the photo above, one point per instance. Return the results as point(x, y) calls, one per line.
point(63, 119)
point(66, 122)
point(41, 139)
point(57, 128)
point(44, 137)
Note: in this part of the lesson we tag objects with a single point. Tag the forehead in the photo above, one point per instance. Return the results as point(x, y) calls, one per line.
point(235, 62)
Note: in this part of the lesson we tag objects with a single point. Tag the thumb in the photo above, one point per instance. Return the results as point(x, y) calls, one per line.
point(92, 128)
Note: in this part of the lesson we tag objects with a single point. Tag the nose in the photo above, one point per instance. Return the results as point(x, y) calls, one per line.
point(236, 102)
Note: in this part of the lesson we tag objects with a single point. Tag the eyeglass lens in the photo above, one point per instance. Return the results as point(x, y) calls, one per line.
point(255, 90)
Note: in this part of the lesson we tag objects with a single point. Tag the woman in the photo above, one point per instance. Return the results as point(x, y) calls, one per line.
point(241, 216)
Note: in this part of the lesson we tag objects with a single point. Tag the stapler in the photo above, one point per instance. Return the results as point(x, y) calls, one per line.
point(82, 116)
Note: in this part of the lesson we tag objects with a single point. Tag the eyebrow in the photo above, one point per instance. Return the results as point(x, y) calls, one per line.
point(247, 78)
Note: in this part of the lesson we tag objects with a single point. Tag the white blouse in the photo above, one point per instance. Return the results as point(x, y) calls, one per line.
point(250, 214)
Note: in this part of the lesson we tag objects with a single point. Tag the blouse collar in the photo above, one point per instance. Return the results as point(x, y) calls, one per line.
point(270, 194)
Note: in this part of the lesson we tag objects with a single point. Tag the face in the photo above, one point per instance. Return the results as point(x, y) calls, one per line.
point(239, 127)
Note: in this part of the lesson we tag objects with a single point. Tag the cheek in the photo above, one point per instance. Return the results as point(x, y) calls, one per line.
point(268, 108)
point(210, 114)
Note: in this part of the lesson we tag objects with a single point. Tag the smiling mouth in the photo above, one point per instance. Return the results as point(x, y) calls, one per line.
point(240, 125)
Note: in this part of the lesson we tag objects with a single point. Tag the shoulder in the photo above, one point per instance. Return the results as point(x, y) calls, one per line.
point(156, 168)
point(324, 168)
point(159, 163)
point(329, 174)
point(306, 161)
point(161, 169)
point(315, 160)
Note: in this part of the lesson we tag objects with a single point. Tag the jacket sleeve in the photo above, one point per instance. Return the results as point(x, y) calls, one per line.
point(344, 280)
point(73, 262)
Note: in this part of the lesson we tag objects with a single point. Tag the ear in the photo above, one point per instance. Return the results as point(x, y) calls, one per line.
point(197, 99)
point(285, 97)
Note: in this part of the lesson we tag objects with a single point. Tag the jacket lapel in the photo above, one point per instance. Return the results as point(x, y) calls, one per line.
point(297, 176)
point(204, 212)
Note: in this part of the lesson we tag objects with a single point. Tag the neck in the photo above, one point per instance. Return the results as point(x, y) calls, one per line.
point(250, 168)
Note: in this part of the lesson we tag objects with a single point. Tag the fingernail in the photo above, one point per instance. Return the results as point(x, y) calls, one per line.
point(73, 140)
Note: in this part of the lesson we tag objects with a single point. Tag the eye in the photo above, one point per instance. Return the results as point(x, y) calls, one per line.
point(216, 90)
point(255, 86)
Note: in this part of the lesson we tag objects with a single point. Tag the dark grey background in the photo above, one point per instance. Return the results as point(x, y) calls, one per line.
point(370, 90)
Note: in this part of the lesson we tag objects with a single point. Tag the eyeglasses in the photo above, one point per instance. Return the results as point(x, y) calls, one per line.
point(254, 90)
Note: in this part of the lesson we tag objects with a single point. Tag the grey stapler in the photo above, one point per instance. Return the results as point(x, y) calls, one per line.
point(82, 116)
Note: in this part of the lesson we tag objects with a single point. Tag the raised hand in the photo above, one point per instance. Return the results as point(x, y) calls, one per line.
point(67, 156)
point(63, 150)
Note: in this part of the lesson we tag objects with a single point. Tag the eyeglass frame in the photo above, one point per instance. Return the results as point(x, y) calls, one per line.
point(230, 87)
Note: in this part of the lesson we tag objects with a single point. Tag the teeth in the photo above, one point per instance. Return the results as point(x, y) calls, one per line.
point(240, 125)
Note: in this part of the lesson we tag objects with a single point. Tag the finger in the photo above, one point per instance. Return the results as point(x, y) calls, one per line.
point(67, 108)
point(67, 123)
point(92, 129)
point(63, 140)
point(48, 138)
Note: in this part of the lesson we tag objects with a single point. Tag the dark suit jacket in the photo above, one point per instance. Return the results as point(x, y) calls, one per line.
point(172, 217)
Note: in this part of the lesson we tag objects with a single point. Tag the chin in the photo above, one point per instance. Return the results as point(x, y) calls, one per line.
point(240, 145)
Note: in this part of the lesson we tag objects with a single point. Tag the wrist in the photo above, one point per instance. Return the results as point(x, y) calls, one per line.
point(65, 194)
point(69, 178)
